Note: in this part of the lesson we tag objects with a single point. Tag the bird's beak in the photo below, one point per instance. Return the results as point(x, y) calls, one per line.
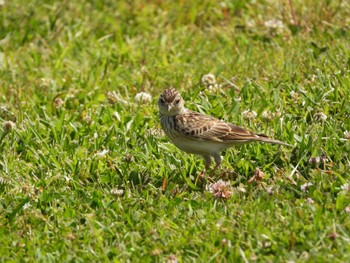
point(168, 108)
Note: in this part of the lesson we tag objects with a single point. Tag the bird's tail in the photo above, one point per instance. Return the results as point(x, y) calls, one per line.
point(264, 138)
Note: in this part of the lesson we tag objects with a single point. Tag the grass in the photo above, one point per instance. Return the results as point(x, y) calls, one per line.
point(75, 144)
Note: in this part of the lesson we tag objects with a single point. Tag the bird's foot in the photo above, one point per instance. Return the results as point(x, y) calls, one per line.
point(200, 176)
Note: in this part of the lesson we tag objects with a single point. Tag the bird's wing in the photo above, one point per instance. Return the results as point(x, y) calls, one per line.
point(202, 127)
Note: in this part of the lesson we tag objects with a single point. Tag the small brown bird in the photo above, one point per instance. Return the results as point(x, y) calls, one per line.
point(197, 133)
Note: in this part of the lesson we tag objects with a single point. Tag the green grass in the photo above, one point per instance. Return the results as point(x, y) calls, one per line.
point(61, 167)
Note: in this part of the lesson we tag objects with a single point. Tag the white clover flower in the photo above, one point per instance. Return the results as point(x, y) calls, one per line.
point(116, 191)
point(257, 177)
point(68, 179)
point(314, 160)
point(172, 259)
point(320, 116)
point(58, 102)
point(270, 190)
point(241, 189)
point(250, 23)
point(268, 115)
point(45, 82)
point(26, 205)
point(129, 158)
point(249, 115)
point(345, 187)
point(220, 189)
point(112, 97)
point(143, 97)
point(347, 209)
point(102, 153)
point(156, 252)
point(274, 25)
point(226, 242)
point(2, 2)
point(347, 135)
point(294, 95)
point(88, 119)
point(209, 80)
point(313, 78)
point(305, 187)
point(214, 87)
point(278, 113)
point(3, 181)
point(8, 125)
point(309, 201)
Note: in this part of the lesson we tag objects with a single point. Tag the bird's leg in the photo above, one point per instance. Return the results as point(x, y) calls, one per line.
point(206, 167)
point(218, 160)
point(200, 175)
point(214, 169)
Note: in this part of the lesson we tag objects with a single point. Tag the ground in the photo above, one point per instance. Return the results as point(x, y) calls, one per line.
point(83, 157)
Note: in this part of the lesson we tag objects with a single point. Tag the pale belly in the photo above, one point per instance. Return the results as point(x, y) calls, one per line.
point(199, 147)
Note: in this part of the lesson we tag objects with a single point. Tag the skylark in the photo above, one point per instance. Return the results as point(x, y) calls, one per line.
point(197, 133)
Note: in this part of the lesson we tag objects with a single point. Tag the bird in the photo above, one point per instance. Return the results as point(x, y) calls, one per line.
point(201, 134)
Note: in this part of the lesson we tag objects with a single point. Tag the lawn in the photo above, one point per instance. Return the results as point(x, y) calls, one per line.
point(83, 157)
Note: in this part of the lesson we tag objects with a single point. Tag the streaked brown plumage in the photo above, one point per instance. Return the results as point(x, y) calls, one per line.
point(201, 134)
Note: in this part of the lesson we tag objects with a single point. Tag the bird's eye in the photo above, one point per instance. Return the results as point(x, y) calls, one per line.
point(161, 101)
point(177, 101)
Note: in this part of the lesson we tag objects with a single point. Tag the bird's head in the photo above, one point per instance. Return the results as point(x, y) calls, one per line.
point(170, 102)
